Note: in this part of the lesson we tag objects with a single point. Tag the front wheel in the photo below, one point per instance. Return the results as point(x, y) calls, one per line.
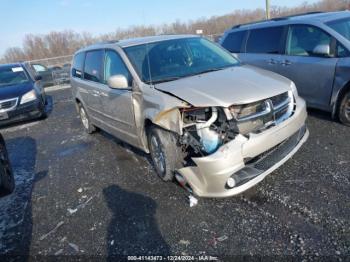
point(344, 109)
point(166, 155)
point(85, 120)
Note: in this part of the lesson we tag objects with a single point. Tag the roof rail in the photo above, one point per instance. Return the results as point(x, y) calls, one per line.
point(106, 42)
point(276, 19)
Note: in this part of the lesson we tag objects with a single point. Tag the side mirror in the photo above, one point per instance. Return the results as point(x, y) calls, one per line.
point(118, 82)
point(38, 78)
point(322, 50)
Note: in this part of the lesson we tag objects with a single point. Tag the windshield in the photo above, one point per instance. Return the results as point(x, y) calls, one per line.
point(342, 26)
point(12, 76)
point(173, 59)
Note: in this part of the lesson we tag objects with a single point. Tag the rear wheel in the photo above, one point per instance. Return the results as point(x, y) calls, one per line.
point(166, 155)
point(344, 109)
point(85, 120)
point(7, 184)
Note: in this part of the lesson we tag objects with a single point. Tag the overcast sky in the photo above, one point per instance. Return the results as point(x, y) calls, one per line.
point(20, 17)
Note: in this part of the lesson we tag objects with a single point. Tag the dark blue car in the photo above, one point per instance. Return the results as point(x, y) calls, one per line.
point(21, 94)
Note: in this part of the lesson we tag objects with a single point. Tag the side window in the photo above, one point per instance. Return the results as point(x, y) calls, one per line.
point(341, 51)
point(265, 40)
point(93, 66)
point(233, 41)
point(304, 40)
point(114, 65)
point(78, 63)
point(39, 68)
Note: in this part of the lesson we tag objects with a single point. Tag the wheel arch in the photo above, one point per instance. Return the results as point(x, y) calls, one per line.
point(345, 89)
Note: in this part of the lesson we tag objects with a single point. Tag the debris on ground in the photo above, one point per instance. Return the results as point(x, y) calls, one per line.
point(74, 246)
point(52, 231)
point(193, 200)
point(72, 211)
point(80, 206)
point(59, 252)
point(223, 238)
point(80, 190)
point(184, 242)
point(214, 241)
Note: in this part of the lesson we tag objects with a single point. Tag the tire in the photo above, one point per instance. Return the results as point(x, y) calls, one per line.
point(43, 113)
point(7, 184)
point(85, 120)
point(166, 155)
point(344, 109)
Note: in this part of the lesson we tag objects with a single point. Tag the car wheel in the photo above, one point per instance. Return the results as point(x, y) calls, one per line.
point(7, 183)
point(166, 155)
point(344, 109)
point(85, 120)
point(43, 113)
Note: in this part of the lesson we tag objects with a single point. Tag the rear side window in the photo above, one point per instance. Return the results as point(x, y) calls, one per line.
point(78, 63)
point(233, 41)
point(93, 67)
point(265, 40)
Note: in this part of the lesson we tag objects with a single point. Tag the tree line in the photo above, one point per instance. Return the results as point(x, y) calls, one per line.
point(67, 42)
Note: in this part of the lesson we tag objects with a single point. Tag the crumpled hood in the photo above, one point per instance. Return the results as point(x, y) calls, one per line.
point(235, 85)
point(12, 91)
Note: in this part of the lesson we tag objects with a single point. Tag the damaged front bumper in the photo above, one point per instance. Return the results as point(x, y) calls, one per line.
point(247, 160)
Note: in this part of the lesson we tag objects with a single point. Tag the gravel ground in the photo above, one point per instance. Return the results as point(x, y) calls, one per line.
point(94, 196)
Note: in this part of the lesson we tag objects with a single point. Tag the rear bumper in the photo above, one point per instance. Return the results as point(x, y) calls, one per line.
point(23, 112)
point(248, 160)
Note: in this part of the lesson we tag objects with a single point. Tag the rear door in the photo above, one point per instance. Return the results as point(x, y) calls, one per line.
point(312, 73)
point(93, 82)
point(263, 47)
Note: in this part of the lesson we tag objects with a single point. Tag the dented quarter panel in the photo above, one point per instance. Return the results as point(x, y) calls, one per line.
point(159, 108)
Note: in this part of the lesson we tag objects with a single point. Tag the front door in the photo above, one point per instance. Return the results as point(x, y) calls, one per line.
point(311, 70)
point(117, 103)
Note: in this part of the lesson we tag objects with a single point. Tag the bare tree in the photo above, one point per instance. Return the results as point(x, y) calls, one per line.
point(67, 42)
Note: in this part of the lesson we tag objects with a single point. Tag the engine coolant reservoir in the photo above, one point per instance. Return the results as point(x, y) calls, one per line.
point(210, 140)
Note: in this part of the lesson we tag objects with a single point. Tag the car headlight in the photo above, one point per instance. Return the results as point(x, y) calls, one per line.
point(294, 89)
point(28, 97)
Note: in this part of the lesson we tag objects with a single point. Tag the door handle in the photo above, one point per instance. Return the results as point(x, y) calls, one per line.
point(272, 61)
point(286, 63)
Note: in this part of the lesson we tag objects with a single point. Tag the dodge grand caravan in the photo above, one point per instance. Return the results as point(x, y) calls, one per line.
point(313, 50)
point(215, 125)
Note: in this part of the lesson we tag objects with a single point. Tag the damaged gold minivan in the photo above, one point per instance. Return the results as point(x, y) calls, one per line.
point(218, 126)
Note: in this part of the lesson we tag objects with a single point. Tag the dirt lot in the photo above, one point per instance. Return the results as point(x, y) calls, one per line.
point(93, 195)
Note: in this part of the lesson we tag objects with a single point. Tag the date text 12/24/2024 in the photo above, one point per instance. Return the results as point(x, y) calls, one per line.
point(172, 258)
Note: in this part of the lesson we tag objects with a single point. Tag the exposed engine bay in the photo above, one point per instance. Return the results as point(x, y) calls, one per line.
point(206, 129)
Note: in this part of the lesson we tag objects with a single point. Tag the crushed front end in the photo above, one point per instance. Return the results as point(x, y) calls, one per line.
point(229, 150)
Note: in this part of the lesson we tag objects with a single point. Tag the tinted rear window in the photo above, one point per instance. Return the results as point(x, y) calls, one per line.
point(93, 66)
point(78, 63)
point(265, 40)
point(233, 41)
